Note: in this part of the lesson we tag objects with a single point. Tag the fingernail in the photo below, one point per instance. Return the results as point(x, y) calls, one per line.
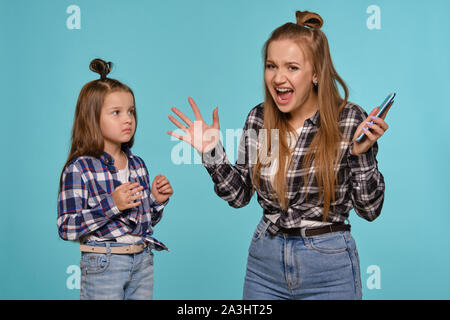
point(374, 118)
point(369, 123)
point(365, 129)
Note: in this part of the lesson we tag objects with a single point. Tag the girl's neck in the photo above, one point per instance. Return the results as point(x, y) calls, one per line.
point(114, 151)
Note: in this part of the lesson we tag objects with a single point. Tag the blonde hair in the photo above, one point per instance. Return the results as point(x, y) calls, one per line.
point(324, 150)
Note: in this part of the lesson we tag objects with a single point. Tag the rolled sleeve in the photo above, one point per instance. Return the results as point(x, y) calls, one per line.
point(367, 184)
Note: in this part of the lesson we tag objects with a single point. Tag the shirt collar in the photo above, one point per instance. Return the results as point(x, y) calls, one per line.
point(315, 118)
point(108, 160)
point(127, 151)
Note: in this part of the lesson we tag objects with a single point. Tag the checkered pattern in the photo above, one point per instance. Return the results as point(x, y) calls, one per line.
point(86, 206)
point(360, 185)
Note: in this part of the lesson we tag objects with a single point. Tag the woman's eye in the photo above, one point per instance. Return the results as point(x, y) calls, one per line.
point(293, 68)
point(270, 66)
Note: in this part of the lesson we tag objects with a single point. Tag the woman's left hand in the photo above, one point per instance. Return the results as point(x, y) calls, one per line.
point(161, 188)
point(372, 131)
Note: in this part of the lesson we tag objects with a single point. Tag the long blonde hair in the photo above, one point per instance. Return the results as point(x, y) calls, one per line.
point(324, 150)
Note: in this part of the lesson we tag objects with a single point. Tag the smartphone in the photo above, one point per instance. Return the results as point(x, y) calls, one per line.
point(383, 106)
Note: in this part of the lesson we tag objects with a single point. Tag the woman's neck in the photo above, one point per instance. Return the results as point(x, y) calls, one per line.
point(298, 116)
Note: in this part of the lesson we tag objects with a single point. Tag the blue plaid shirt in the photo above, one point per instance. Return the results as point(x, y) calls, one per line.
point(86, 206)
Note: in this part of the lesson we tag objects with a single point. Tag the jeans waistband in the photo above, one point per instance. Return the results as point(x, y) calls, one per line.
point(307, 232)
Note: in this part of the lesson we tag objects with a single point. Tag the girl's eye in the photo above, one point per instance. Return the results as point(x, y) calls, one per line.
point(131, 112)
point(270, 66)
point(115, 113)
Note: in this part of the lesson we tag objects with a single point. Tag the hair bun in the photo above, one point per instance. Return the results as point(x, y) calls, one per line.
point(101, 67)
point(309, 19)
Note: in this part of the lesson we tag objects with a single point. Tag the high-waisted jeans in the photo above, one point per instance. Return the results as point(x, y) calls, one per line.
point(299, 267)
point(116, 276)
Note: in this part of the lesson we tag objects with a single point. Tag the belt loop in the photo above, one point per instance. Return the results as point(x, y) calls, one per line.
point(108, 249)
point(305, 238)
point(303, 233)
point(263, 233)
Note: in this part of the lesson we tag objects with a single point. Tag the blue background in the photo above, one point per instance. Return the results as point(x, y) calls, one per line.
point(211, 50)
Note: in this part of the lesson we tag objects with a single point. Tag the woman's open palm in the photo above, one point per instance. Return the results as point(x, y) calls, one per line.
point(198, 134)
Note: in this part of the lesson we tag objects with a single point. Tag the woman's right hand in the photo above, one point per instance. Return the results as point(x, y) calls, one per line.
point(125, 195)
point(199, 135)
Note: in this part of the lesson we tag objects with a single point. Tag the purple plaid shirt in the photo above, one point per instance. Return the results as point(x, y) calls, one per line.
point(86, 206)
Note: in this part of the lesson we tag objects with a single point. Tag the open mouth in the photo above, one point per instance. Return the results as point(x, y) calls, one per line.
point(283, 95)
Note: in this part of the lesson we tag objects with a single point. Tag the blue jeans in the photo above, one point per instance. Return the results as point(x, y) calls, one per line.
point(299, 267)
point(116, 276)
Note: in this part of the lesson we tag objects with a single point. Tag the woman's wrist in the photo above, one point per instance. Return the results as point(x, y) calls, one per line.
point(214, 156)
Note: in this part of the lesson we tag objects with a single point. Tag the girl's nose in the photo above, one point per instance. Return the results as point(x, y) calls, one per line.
point(129, 118)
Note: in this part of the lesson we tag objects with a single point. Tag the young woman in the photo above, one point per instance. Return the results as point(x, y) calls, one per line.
point(105, 200)
point(307, 169)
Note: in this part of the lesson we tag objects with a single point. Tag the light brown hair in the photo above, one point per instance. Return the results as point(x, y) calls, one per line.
point(87, 139)
point(324, 150)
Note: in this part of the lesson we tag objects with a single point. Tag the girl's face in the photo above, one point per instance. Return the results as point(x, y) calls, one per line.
point(288, 75)
point(117, 120)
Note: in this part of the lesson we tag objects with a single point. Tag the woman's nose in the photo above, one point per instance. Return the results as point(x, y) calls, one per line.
point(279, 77)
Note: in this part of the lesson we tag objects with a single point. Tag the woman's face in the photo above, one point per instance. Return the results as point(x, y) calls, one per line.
point(117, 118)
point(288, 75)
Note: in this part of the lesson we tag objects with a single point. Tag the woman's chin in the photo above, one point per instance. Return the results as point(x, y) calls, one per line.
point(285, 108)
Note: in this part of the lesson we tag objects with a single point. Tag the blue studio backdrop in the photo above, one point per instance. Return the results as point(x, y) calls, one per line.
point(211, 50)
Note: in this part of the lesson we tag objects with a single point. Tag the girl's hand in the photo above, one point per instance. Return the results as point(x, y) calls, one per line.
point(125, 194)
point(378, 128)
point(161, 188)
point(199, 135)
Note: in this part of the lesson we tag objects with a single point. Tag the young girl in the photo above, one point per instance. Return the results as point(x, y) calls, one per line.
point(105, 199)
point(312, 175)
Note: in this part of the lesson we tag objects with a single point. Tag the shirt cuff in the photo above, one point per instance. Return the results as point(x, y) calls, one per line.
point(213, 157)
point(156, 205)
point(362, 162)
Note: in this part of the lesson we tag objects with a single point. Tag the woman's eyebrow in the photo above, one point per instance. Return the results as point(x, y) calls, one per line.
point(293, 62)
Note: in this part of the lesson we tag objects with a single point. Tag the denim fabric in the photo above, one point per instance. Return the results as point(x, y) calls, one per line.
point(299, 267)
point(116, 276)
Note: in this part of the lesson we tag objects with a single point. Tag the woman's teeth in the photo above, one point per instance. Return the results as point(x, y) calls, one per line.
point(284, 95)
point(282, 90)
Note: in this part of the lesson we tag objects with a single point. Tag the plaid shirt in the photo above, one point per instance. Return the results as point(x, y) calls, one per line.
point(86, 206)
point(360, 185)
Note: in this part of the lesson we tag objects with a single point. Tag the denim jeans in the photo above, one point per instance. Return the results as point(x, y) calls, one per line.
point(116, 276)
point(319, 267)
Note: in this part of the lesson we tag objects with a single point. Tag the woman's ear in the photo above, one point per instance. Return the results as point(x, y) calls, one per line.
point(315, 80)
